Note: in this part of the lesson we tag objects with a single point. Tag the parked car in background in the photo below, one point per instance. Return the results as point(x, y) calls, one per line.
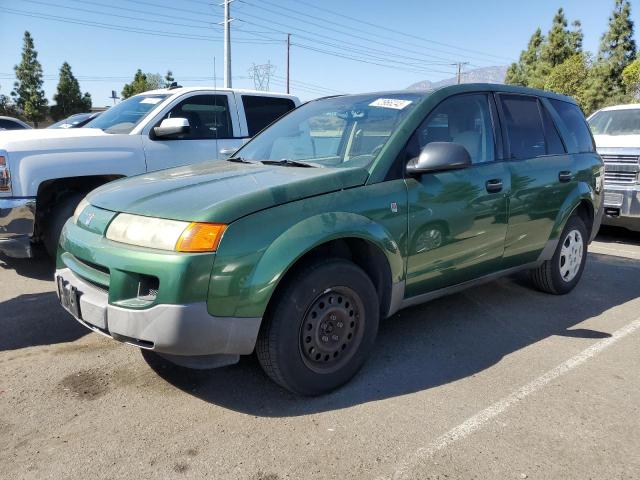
point(75, 121)
point(45, 173)
point(297, 251)
point(617, 135)
point(10, 123)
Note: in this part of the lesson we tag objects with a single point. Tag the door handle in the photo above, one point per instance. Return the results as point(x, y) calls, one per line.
point(564, 176)
point(494, 185)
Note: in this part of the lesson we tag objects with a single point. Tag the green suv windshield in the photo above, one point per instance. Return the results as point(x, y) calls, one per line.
point(126, 115)
point(616, 122)
point(340, 131)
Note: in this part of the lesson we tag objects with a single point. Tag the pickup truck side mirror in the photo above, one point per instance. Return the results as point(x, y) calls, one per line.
point(171, 126)
point(439, 157)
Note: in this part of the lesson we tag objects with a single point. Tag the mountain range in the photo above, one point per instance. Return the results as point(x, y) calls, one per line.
point(478, 75)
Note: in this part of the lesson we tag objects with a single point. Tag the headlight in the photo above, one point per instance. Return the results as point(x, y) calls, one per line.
point(164, 234)
point(79, 209)
point(5, 175)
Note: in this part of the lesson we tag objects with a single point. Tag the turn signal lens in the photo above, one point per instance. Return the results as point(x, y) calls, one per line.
point(200, 237)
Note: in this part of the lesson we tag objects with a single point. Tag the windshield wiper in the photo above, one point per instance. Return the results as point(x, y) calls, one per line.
point(288, 163)
point(238, 160)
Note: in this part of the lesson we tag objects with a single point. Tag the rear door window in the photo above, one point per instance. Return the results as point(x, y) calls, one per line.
point(524, 127)
point(575, 122)
point(262, 111)
point(554, 142)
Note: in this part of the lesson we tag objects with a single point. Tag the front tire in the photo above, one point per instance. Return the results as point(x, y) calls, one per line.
point(320, 329)
point(562, 273)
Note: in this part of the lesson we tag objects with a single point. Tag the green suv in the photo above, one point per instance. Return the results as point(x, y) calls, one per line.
point(346, 210)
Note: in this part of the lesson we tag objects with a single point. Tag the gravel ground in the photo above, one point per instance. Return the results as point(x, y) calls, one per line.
point(500, 381)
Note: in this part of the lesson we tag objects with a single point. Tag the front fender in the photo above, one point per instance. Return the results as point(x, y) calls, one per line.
point(243, 286)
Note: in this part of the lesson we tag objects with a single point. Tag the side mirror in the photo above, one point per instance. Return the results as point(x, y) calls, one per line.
point(171, 126)
point(439, 157)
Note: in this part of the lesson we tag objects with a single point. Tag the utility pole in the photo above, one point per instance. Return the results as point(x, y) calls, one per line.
point(460, 65)
point(288, 59)
point(227, 44)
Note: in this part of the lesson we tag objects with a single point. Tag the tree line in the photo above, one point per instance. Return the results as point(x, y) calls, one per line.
point(558, 62)
point(28, 101)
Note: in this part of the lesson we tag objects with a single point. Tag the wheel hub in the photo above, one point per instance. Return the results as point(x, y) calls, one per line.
point(331, 330)
point(571, 255)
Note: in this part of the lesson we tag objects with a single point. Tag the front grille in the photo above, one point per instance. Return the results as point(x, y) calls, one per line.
point(620, 178)
point(621, 159)
point(621, 169)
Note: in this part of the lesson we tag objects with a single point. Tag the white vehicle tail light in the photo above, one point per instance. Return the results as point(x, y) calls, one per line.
point(5, 176)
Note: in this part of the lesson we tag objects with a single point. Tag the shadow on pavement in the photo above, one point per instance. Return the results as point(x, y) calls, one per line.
point(36, 319)
point(41, 267)
point(430, 345)
point(617, 235)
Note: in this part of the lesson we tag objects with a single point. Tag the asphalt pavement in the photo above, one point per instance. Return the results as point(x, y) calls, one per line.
point(500, 381)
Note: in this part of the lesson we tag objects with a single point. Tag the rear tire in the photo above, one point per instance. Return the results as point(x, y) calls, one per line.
point(320, 329)
point(60, 213)
point(562, 272)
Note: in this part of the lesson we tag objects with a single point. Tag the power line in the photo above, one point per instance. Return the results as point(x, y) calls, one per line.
point(146, 12)
point(402, 48)
point(172, 8)
point(363, 49)
point(399, 32)
point(137, 19)
point(107, 26)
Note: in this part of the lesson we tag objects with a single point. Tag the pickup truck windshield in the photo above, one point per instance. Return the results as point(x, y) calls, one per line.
point(344, 131)
point(123, 117)
point(616, 122)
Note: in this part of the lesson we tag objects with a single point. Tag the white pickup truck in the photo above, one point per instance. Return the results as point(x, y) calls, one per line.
point(45, 173)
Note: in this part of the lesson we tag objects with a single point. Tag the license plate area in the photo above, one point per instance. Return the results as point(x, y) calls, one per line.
point(69, 297)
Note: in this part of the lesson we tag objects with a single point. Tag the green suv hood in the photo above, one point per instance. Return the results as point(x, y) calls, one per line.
point(220, 191)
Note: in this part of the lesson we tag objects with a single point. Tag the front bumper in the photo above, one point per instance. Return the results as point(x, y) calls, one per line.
point(173, 330)
point(17, 220)
point(622, 206)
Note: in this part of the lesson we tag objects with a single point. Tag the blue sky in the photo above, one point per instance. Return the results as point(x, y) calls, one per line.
point(401, 42)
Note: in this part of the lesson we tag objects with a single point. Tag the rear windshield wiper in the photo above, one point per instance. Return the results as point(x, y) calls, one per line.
point(288, 163)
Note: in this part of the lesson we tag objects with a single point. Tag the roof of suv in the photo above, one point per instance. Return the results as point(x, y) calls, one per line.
point(630, 106)
point(474, 87)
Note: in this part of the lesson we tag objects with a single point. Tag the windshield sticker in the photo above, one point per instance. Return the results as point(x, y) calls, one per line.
point(151, 100)
point(394, 103)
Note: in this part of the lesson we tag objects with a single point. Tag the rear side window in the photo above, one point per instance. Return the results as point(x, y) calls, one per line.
point(574, 120)
point(9, 125)
point(554, 142)
point(262, 111)
point(524, 126)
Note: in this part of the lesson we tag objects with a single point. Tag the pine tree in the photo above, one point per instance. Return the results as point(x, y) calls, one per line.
point(28, 93)
point(570, 77)
point(168, 79)
point(68, 97)
point(524, 72)
point(558, 46)
point(617, 50)
point(576, 37)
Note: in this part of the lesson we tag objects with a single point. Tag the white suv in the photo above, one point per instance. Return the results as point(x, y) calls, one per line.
point(45, 173)
point(616, 131)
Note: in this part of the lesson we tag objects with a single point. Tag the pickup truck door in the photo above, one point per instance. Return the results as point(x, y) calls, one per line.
point(542, 175)
point(457, 219)
point(213, 121)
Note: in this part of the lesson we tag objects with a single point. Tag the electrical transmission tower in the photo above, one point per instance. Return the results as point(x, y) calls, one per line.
point(261, 75)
